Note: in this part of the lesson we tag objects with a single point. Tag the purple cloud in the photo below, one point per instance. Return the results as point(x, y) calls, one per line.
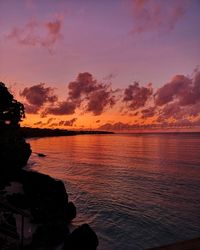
point(87, 90)
point(153, 15)
point(61, 108)
point(37, 96)
point(136, 96)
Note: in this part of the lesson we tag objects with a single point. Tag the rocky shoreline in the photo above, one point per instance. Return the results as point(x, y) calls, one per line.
point(42, 199)
point(49, 213)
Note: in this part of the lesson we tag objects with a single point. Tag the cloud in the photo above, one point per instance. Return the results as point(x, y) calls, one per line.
point(181, 89)
point(83, 85)
point(154, 15)
point(39, 123)
point(136, 97)
point(180, 98)
point(98, 100)
point(36, 33)
point(50, 120)
point(148, 112)
point(31, 109)
point(178, 88)
point(95, 95)
point(114, 126)
point(169, 111)
point(61, 108)
point(68, 123)
point(176, 102)
point(85, 94)
point(120, 126)
point(37, 96)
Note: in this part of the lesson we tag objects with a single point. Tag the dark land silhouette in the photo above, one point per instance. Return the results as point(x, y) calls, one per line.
point(35, 210)
point(46, 132)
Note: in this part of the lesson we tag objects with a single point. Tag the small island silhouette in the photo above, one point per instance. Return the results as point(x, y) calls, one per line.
point(35, 210)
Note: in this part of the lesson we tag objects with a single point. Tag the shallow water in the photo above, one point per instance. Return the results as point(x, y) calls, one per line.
point(136, 191)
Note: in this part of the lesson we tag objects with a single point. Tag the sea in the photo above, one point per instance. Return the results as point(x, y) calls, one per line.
point(137, 191)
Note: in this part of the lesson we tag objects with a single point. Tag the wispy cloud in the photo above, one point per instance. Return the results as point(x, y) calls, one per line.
point(36, 33)
point(155, 15)
point(68, 123)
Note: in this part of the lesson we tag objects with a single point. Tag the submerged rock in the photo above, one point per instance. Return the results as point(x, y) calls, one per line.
point(82, 238)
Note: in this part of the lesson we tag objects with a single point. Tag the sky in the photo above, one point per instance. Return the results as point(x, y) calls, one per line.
point(109, 64)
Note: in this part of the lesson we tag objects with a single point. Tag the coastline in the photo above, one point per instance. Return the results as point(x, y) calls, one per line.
point(45, 132)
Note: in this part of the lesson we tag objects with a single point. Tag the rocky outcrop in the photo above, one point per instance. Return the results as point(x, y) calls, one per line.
point(81, 238)
point(14, 153)
point(50, 213)
point(42, 197)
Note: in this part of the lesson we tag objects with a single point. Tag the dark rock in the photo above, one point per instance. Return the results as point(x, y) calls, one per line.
point(35, 183)
point(49, 235)
point(47, 198)
point(81, 238)
point(41, 155)
point(14, 153)
point(18, 200)
point(8, 224)
point(71, 211)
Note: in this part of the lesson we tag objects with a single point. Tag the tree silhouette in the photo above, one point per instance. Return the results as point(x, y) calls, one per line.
point(11, 111)
point(14, 151)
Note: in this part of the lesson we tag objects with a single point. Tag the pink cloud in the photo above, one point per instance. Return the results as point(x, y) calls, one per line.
point(30, 34)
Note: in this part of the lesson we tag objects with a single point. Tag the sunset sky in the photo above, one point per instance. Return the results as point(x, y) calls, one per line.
point(109, 64)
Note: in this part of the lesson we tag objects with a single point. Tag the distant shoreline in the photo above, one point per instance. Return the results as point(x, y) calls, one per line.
point(46, 132)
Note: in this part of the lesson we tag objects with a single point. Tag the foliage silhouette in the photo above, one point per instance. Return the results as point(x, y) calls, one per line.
point(11, 111)
point(14, 151)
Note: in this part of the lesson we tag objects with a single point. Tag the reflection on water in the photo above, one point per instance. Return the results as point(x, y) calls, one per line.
point(136, 191)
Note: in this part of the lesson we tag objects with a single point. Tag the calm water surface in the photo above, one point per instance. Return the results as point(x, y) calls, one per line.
point(136, 191)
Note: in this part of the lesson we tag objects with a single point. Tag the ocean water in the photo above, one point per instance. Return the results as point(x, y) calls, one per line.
point(135, 191)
